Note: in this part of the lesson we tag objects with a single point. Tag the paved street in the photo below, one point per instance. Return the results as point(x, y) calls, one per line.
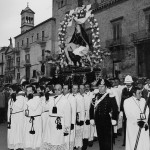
point(3, 140)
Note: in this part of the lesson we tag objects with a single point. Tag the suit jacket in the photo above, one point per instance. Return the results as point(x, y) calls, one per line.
point(125, 94)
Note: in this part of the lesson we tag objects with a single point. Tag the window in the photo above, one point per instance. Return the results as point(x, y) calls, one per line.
point(27, 41)
point(117, 28)
point(37, 36)
point(147, 17)
point(18, 75)
point(32, 39)
point(80, 3)
point(27, 58)
point(34, 73)
point(43, 52)
point(61, 3)
point(43, 35)
point(22, 42)
point(18, 61)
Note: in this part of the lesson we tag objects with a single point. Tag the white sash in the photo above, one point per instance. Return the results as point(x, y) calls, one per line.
point(98, 101)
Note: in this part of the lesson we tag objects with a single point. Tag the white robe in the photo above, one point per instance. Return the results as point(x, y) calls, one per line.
point(54, 138)
point(15, 133)
point(133, 108)
point(35, 108)
point(87, 102)
point(71, 99)
point(81, 114)
point(45, 114)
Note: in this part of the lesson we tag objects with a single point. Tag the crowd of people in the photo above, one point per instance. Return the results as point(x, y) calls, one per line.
point(69, 116)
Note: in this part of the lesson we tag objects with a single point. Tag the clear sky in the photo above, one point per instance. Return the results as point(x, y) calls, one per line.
point(10, 18)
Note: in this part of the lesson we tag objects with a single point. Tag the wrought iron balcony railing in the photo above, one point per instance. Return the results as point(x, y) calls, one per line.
point(42, 41)
point(140, 36)
point(106, 4)
point(26, 48)
point(115, 42)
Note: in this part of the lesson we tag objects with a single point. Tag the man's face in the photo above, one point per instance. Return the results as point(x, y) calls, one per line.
point(102, 88)
point(148, 81)
point(140, 86)
point(65, 89)
point(11, 91)
point(128, 85)
point(116, 82)
point(87, 88)
point(29, 90)
point(82, 89)
point(38, 90)
point(58, 89)
point(75, 89)
point(138, 94)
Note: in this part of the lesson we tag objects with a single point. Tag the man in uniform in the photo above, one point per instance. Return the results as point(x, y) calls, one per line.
point(105, 115)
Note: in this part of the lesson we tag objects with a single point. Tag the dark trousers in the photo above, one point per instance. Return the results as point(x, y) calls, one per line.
point(105, 134)
point(124, 130)
point(2, 115)
point(85, 144)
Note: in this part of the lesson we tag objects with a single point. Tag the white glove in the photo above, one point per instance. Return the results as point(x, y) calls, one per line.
point(92, 122)
point(114, 122)
point(121, 114)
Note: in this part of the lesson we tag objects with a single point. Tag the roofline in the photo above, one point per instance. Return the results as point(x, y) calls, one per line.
point(52, 18)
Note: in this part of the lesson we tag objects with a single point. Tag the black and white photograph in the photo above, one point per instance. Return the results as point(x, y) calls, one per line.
point(75, 75)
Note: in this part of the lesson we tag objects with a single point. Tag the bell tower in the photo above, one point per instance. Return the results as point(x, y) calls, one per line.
point(27, 19)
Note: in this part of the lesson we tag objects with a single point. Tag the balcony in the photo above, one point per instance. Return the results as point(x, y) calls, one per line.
point(138, 37)
point(115, 43)
point(26, 48)
point(106, 4)
point(17, 51)
point(42, 41)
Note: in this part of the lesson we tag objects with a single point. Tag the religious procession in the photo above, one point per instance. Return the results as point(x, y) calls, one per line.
point(80, 104)
point(51, 115)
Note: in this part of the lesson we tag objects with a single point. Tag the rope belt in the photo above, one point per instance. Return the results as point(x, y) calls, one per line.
point(32, 118)
point(11, 113)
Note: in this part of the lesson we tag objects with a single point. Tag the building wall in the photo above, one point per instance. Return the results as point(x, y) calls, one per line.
point(133, 21)
point(35, 46)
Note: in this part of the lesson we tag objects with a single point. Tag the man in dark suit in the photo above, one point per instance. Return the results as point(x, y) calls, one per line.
point(126, 93)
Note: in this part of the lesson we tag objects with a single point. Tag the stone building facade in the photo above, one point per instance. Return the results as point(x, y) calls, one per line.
point(124, 30)
point(33, 46)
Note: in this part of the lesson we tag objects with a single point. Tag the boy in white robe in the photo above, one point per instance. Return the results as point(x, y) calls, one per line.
point(33, 120)
point(79, 117)
point(134, 107)
point(72, 101)
point(15, 119)
point(88, 96)
point(58, 123)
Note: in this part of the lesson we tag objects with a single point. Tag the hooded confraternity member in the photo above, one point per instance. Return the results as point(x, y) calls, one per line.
point(15, 119)
point(33, 120)
point(72, 101)
point(136, 118)
point(105, 115)
point(58, 123)
point(79, 117)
